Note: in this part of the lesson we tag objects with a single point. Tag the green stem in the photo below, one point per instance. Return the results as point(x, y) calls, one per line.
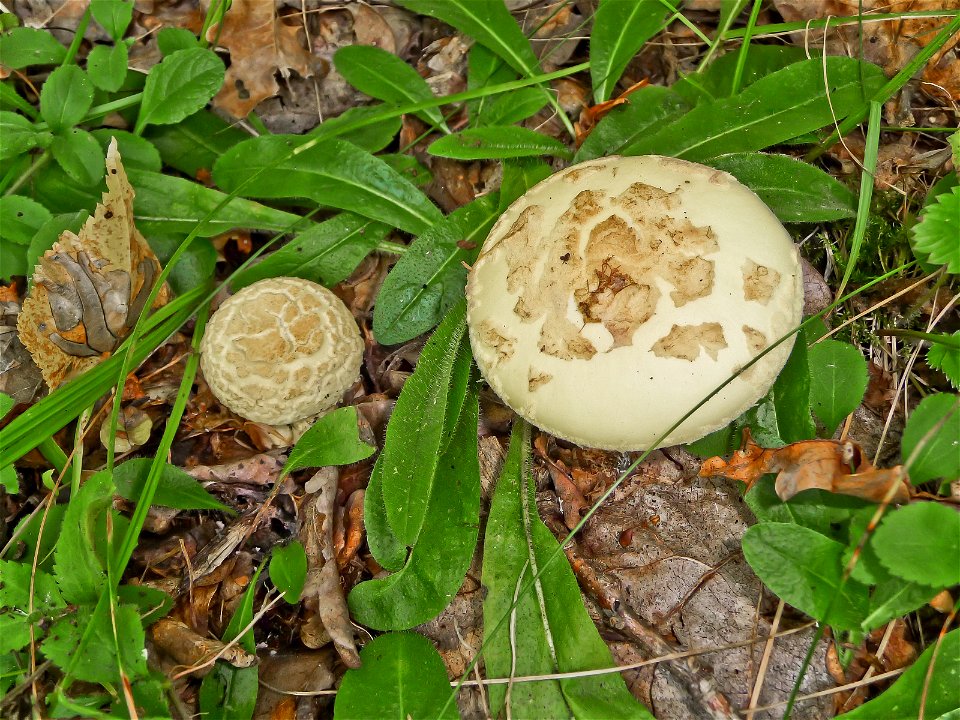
point(745, 48)
point(820, 23)
point(77, 37)
point(38, 165)
point(951, 341)
point(392, 248)
point(98, 111)
point(53, 453)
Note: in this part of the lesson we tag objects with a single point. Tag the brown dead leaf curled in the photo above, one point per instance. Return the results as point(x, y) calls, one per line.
point(89, 289)
point(183, 644)
point(832, 465)
point(261, 44)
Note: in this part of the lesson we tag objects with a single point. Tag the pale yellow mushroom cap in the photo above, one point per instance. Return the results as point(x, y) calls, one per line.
point(615, 295)
point(281, 350)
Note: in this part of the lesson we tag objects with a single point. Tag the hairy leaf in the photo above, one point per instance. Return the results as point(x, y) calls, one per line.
point(717, 80)
point(497, 142)
point(79, 568)
point(935, 236)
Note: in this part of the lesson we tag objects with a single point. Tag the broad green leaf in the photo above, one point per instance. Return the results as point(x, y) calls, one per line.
point(107, 66)
point(838, 379)
point(79, 154)
point(817, 510)
point(22, 47)
point(402, 676)
point(193, 145)
point(176, 488)
point(645, 111)
point(382, 75)
point(196, 267)
point(171, 39)
point(794, 190)
point(14, 632)
point(6, 404)
point(894, 598)
point(931, 440)
point(334, 173)
point(16, 578)
point(762, 421)
point(719, 442)
point(507, 141)
point(151, 603)
point(437, 564)
point(946, 359)
point(17, 135)
point(484, 67)
point(430, 277)
point(113, 16)
point(14, 260)
point(791, 396)
point(554, 633)
point(372, 137)
point(180, 85)
point(383, 543)
point(717, 80)
point(65, 97)
point(519, 176)
point(29, 529)
point(20, 218)
point(408, 166)
point(512, 107)
point(334, 439)
point(486, 21)
point(935, 236)
point(79, 570)
point(165, 203)
point(288, 570)
point(937, 687)
point(920, 542)
point(804, 568)
point(421, 424)
point(136, 152)
point(325, 253)
point(778, 107)
point(620, 29)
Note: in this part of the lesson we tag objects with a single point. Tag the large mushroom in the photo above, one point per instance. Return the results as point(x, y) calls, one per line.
point(615, 295)
point(281, 350)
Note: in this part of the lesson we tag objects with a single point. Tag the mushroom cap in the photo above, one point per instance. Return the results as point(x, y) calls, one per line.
point(281, 350)
point(617, 294)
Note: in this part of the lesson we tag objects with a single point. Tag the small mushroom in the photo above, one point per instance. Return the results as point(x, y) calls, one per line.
point(615, 295)
point(281, 350)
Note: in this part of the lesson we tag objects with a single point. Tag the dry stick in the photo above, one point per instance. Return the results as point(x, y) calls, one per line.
point(881, 649)
point(832, 691)
point(694, 678)
point(764, 661)
point(933, 662)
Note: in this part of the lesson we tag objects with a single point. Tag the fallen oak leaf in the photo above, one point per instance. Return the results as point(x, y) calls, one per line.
point(89, 289)
point(837, 466)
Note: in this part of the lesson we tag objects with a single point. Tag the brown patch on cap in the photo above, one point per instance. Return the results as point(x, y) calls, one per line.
point(536, 379)
point(759, 282)
point(686, 342)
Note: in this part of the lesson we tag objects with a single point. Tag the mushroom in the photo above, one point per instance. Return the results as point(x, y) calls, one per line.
point(281, 350)
point(617, 294)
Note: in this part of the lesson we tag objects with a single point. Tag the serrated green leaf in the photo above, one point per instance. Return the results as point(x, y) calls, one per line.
point(325, 253)
point(931, 439)
point(620, 29)
point(805, 569)
point(497, 142)
point(778, 107)
point(176, 489)
point(937, 236)
point(20, 218)
point(288, 570)
point(402, 676)
point(920, 542)
point(107, 66)
point(441, 557)
point(422, 422)
point(21, 47)
point(794, 190)
point(946, 359)
point(430, 277)
point(18, 135)
point(382, 75)
point(334, 173)
point(554, 632)
point(894, 598)
point(65, 97)
point(15, 581)
point(113, 16)
point(79, 154)
point(334, 439)
point(14, 632)
point(645, 111)
point(180, 85)
point(151, 603)
point(938, 688)
point(486, 21)
point(838, 380)
point(79, 570)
